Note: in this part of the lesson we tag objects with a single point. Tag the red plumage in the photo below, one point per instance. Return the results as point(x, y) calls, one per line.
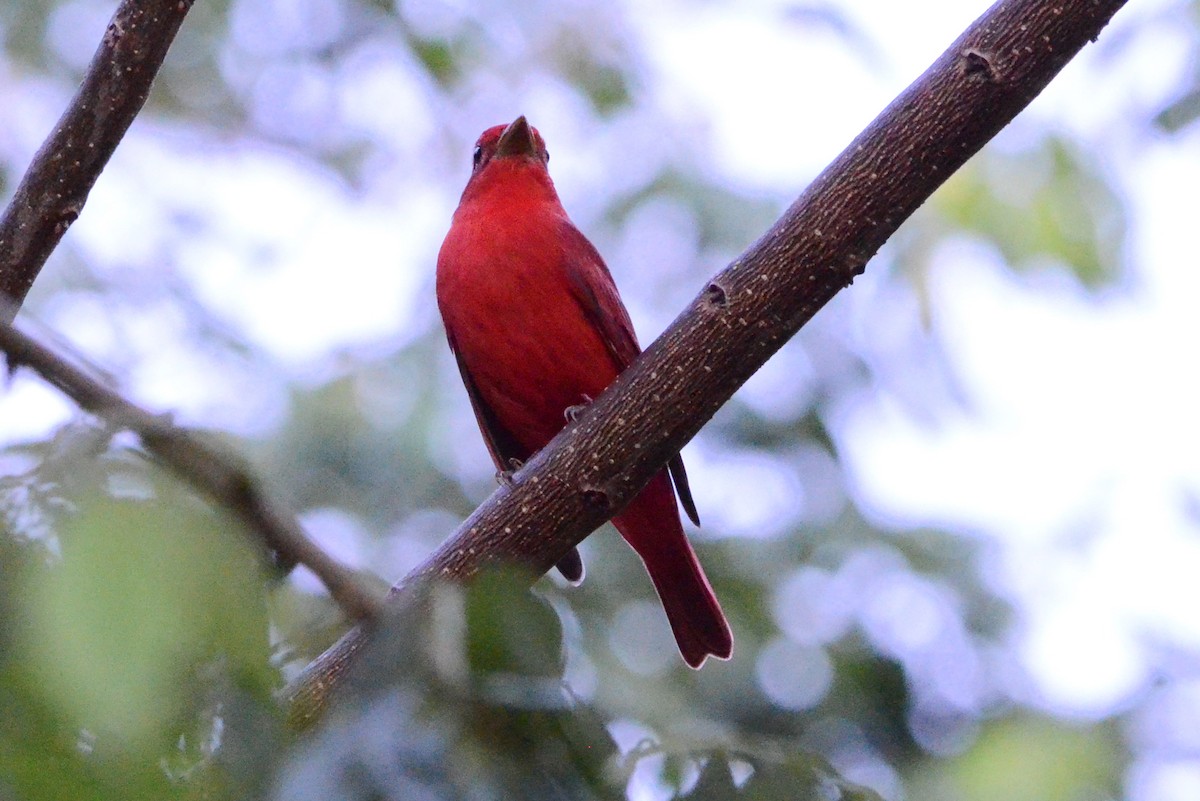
point(537, 326)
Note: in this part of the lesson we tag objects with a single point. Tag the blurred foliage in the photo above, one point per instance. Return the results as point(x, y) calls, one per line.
point(1042, 205)
point(119, 657)
point(139, 641)
point(1184, 108)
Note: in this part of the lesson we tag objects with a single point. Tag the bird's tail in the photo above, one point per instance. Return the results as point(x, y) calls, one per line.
point(651, 525)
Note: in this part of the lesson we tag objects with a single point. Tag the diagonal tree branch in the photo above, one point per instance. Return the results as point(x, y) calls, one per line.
point(214, 472)
point(51, 195)
point(746, 313)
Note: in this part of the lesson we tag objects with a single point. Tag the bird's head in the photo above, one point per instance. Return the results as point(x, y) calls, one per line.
point(510, 162)
point(518, 141)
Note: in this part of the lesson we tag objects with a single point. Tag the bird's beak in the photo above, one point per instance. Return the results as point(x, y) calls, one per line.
point(517, 139)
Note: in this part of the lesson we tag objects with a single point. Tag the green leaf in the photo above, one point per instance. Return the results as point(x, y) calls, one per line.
point(510, 630)
point(1180, 113)
point(1039, 758)
point(1044, 204)
point(146, 591)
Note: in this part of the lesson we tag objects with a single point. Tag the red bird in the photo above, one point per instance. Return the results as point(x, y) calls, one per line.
point(536, 324)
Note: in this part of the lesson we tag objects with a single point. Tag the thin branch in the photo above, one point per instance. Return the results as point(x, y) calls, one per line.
point(750, 309)
point(51, 195)
point(214, 472)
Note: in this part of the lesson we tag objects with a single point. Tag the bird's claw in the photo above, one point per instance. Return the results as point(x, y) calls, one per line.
point(505, 477)
point(571, 413)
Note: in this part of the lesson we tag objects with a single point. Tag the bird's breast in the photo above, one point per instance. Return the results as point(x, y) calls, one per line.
point(505, 293)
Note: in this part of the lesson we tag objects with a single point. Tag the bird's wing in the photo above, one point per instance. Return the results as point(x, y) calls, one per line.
point(594, 290)
point(505, 450)
point(679, 477)
point(501, 444)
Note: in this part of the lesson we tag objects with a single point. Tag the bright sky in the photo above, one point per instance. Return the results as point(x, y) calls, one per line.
point(1080, 447)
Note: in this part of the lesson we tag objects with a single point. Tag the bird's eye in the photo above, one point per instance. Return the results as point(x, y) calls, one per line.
point(478, 155)
point(546, 156)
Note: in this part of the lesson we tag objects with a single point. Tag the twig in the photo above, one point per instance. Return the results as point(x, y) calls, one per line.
point(214, 472)
point(750, 309)
point(51, 195)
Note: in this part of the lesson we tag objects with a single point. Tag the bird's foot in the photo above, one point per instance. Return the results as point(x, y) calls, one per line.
point(571, 413)
point(505, 477)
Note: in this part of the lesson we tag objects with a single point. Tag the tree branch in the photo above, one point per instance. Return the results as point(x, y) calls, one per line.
point(746, 313)
point(215, 473)
point(51, 195)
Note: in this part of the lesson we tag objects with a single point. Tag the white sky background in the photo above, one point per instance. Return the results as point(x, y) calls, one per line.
point(1080, 443)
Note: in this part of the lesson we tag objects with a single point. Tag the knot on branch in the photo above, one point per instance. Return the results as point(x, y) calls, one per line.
point(596, 497)
point(114, 33)
point(855, 265)
point(12, 363)
point(69, 214)
point(715, 296)
point(977, 65)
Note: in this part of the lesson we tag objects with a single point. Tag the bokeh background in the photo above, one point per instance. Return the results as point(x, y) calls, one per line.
point(955, 522)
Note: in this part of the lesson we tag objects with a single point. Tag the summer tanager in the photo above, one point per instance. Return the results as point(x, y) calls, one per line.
point(536, 324)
